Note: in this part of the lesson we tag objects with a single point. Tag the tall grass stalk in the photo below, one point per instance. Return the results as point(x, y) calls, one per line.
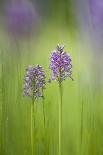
point(3, 103)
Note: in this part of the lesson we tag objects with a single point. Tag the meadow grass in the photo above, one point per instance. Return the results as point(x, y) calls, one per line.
point(79, 96)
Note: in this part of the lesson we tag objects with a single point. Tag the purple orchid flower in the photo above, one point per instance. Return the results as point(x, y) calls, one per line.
point(60, 64)
point(34, 81)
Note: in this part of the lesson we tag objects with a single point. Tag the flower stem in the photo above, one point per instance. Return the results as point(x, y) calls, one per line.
point(43, 108)
point(82, 110)
point(60, 120)
point(32, 125)
point(44, 112)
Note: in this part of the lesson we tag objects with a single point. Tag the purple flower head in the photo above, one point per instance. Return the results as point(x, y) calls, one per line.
point(96, 9)
point(60, 64)
point(34, 81)
point(21, 17)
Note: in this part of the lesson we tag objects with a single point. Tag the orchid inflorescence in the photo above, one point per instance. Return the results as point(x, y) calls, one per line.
point(34, 81)
point(35, 78)
point(60, 64)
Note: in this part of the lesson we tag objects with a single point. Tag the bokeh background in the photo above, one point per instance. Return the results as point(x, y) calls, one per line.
point(29, 31)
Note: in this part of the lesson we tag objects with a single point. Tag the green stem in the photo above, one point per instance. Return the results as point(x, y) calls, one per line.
point(60, 120)
point(82, 109)
point(44, 112)
point(32, 125)
point(43, 107)
point(2, 105)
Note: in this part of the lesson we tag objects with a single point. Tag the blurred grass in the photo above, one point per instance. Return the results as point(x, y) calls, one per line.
point(15, 108)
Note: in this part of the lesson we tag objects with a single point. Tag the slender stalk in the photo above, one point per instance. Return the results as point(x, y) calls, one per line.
point(60, 120)
point(43, 108)
point(82, 110)
point(44, 138)
point(32, 125)
point(44, 112)
point(2, 105)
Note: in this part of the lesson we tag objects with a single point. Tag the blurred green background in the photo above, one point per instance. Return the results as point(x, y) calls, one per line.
point(65, 23)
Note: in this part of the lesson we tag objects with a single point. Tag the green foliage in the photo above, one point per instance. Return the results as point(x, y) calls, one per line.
point(15, 108)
